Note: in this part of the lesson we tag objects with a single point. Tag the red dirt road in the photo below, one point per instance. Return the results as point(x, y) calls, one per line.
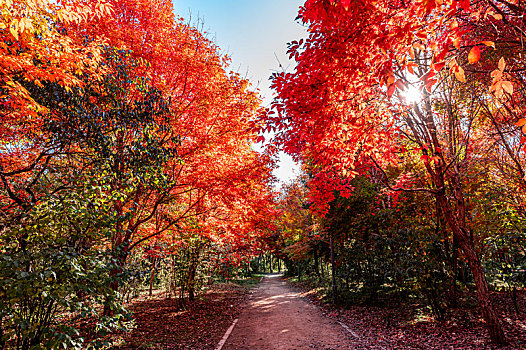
point(277, 318)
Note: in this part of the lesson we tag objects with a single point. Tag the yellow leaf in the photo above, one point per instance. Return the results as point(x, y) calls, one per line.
point(13, 32)
point(61, 15)
point(26, 24)
point(497, 16)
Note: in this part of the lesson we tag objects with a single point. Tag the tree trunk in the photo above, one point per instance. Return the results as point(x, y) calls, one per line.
point(172, 277)
point(316, 263)
point(465, 242)
point(488, 311)
point(194, 261)
point(333, 270)
point(152, 277)
point(454, 262)
point(514, 299)
point(114, 284)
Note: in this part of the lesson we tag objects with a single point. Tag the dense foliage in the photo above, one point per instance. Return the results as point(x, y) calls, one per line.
point(427, 95)
point(127, 165)
point(114, 157)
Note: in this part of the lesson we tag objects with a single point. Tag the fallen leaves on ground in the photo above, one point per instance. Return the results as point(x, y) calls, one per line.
point(400, 325)
point(161, 323)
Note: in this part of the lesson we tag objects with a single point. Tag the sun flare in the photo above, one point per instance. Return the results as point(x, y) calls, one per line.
point(412, 95)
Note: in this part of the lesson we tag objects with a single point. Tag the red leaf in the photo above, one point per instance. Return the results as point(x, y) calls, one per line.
point(474, 55)
point(345, 4)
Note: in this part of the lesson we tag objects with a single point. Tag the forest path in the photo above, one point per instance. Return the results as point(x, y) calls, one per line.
point(278, 318)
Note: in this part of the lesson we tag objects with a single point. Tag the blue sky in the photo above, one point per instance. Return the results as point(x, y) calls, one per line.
point(253, 33)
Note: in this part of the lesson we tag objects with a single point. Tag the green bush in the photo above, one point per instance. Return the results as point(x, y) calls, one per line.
point(55, 276)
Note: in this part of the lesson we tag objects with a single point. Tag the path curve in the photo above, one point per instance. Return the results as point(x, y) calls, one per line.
point(278, 318)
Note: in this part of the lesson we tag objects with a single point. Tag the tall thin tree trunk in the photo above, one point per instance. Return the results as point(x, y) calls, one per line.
point(316, 263)
point(152, 277)
point(194, 261)
point(454, 262)
point(172, 276)
point(333, 270)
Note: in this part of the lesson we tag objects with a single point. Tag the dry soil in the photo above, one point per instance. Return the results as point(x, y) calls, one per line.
point(278, 318)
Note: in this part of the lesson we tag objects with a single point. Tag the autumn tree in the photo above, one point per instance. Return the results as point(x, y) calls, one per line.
point(212, 110)
point(34, 51)
point(134, 109)
point(348, 104)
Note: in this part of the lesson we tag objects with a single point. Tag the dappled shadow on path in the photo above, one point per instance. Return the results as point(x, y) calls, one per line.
point(278, 318)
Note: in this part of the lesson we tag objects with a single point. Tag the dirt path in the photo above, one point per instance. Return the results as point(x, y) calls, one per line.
point(277, 318)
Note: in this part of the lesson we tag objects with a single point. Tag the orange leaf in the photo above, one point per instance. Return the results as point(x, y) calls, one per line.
point(502, 64)
point(496, 75)
point(456, 42)
point(488, 43)
point(521, 122)
point(497, 87)
point(474, 55)
point(459, 74)
point(430, 83)
point(497, 16)
point(391, 90)
point(422, 34)
point(437, 66)
point(508, 87)
point(412, 52)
